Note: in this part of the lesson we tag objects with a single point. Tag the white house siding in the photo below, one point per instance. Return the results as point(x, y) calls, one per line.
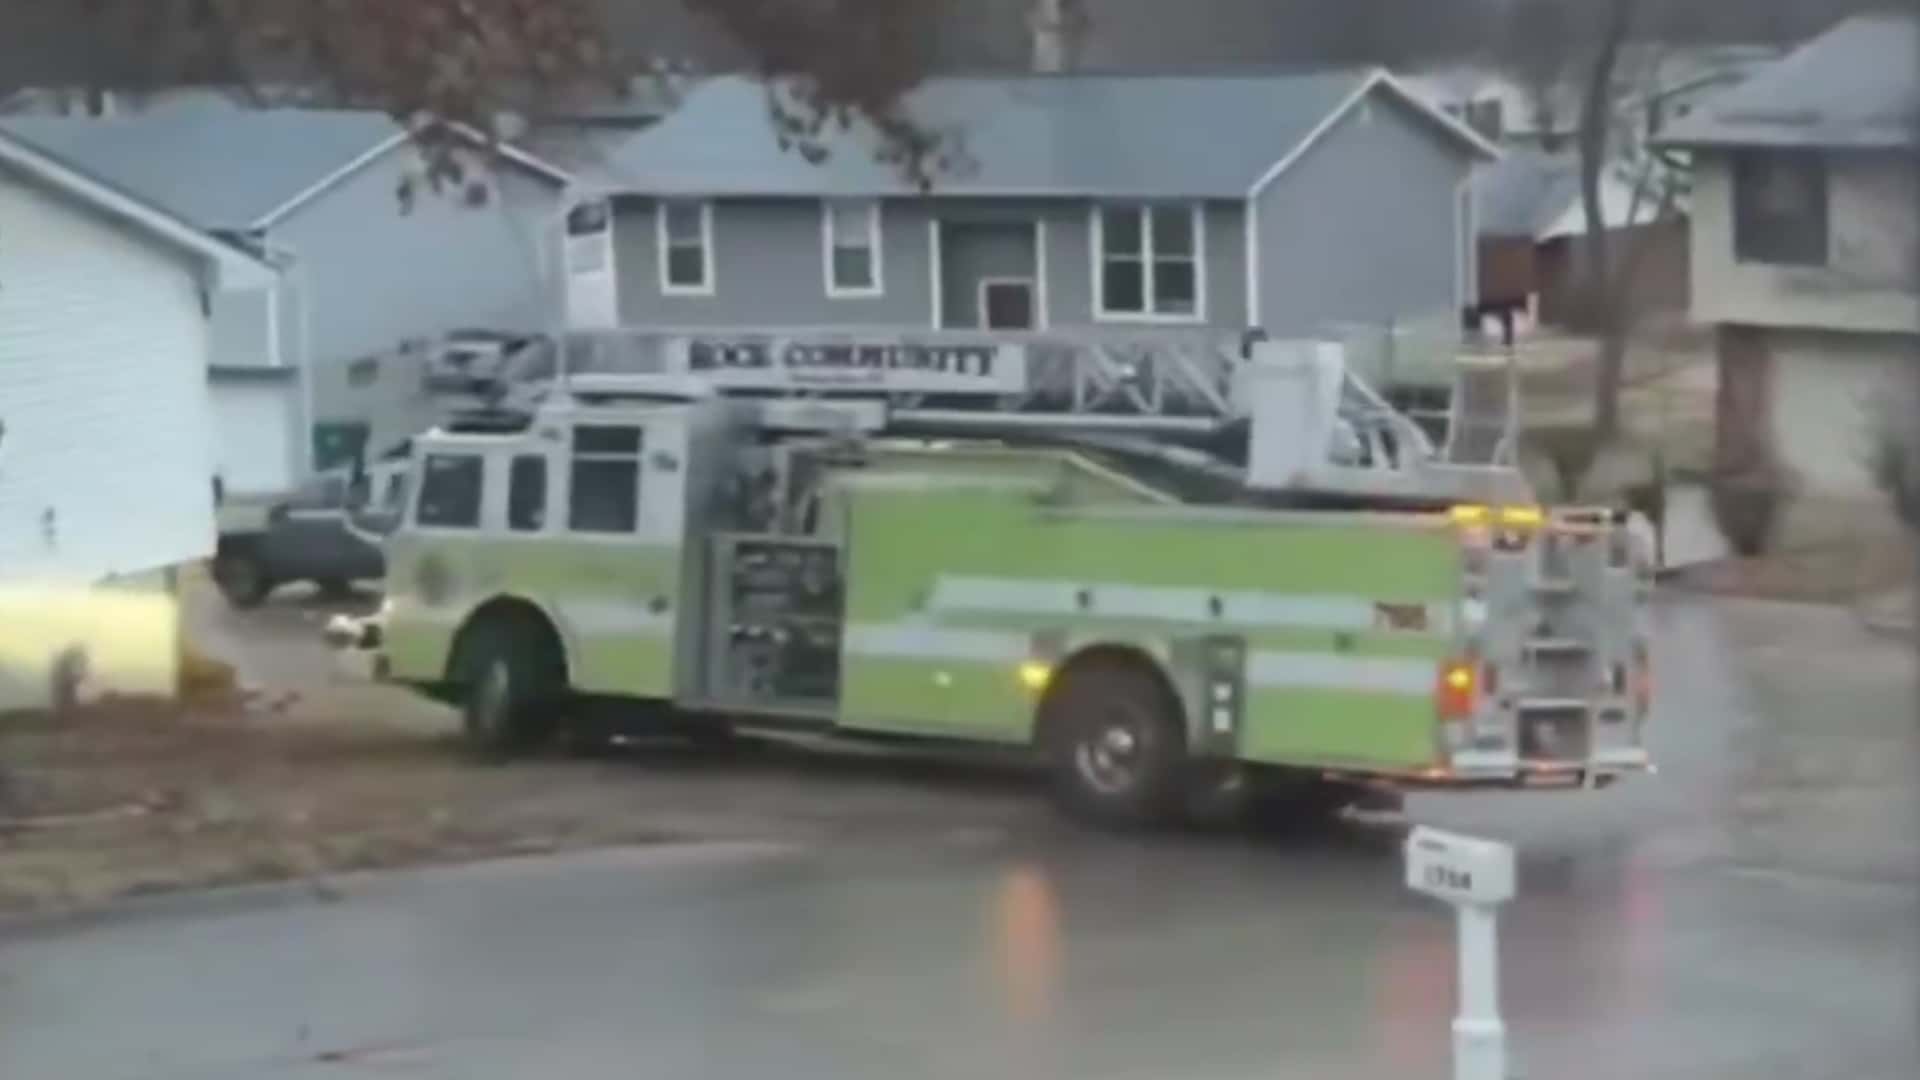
point(106, 465)
point(106, 462)
point(1868, 285)
point(1826, 389)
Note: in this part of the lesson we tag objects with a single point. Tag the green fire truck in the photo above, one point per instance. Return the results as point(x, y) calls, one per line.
point(1160, 565)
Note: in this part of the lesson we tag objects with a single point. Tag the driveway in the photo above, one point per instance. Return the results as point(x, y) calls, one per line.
point(1749, 912)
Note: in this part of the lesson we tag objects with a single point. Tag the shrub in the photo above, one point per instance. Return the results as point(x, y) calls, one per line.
point(1746, 506)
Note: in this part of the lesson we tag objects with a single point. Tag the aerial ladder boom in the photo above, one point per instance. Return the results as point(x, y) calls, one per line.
point(1275, 420)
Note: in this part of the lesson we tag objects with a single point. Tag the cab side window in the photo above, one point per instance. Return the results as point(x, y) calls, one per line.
point(450, 492)
point(604, 495)
point(527, 493)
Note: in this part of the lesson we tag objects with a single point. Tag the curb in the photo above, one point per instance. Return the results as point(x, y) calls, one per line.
point(1890, 626)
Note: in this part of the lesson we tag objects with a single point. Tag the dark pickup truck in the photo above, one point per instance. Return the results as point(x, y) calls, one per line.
point(311, 536)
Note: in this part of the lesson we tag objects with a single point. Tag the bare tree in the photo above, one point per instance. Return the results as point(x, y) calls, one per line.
point(1608, 286)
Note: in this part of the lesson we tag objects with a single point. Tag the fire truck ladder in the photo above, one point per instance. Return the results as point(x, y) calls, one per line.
point(1268, 416)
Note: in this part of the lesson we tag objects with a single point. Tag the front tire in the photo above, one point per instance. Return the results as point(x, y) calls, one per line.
point(510, 686)
point(1116, 746)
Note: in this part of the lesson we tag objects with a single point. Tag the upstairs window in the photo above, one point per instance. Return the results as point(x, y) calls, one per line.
point(686, 247)
point(450, 492)
point(851, 236)
point(1780, 208)
point(604, 493)
point(1147, 263)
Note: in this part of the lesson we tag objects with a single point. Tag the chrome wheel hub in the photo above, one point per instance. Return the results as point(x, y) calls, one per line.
point(1110, 756)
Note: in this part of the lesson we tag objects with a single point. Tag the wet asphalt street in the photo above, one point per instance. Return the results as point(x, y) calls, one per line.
point(1753, 911)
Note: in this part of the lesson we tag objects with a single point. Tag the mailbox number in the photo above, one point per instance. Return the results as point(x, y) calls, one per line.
point(1446, 877)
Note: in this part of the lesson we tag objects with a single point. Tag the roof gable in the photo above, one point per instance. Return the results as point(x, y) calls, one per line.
point(218, 163)
point(1065, 135)
point(233, 267)
point(1855, 86)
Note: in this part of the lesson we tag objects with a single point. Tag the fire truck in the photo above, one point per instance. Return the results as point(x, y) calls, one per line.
point(1159, 565)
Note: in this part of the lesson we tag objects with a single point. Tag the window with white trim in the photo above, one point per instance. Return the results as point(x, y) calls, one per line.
point(1147, 261)
point(850, 231)
point(603, 490)
point(686, 245)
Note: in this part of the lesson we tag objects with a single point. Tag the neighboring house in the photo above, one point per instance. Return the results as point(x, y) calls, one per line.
point(318, 192)
point(1533, 241)
point(1657, 84)
point(1293, 203)
point(106, 421)
point(1804, 248)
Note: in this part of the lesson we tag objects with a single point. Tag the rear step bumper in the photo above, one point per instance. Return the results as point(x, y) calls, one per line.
point(1509, 774)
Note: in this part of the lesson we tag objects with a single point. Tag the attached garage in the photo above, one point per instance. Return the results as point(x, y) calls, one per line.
point(1829, 389)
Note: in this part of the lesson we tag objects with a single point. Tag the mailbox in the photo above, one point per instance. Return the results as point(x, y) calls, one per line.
point(1459, 869)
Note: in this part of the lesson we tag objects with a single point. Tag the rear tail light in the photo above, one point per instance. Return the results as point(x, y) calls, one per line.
point(1457, 690)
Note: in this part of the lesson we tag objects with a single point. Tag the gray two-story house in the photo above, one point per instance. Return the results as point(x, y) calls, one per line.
point(1805, 246)
point(1293, 203)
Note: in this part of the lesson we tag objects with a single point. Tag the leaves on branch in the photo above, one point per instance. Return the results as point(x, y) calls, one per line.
point(451, 69)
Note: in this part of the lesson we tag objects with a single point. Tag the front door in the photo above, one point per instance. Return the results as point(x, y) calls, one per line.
point(1006, 304)
point(977, 254)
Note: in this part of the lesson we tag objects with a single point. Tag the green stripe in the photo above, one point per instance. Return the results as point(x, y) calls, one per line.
point(1335, 727)
point(1278, 639)
point(935, 697)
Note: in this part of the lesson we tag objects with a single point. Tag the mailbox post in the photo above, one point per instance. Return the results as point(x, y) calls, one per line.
point(1476, 877)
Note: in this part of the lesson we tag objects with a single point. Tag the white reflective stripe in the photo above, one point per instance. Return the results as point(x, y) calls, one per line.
point(584, 619)
point(1000, 596)
point(1013, 596)
point(593, 618)
point(912, 641)
point(1327, 671)
point(1266, 669)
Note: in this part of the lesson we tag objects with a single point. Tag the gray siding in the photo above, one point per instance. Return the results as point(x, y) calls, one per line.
point(1364, 229)
point(768, 267)
point(368, 275)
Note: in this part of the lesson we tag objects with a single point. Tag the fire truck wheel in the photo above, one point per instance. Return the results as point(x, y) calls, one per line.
point(1115, 745)
point(511, 683)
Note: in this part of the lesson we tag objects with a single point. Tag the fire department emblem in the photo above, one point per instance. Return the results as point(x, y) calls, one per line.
point(435, 580)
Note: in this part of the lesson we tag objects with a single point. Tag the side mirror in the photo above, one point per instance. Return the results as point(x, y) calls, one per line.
point(373, 523)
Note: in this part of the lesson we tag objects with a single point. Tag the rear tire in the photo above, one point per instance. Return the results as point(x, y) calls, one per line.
point(512, 680)
point(1116, 746)
point(242, 579)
